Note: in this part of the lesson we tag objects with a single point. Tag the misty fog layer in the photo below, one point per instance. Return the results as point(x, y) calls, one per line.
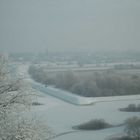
point(72, 25)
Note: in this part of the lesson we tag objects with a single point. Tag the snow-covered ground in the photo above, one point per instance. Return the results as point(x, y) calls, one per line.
point(60, 115)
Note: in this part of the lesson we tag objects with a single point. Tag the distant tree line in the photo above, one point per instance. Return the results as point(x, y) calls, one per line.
point(96, 84)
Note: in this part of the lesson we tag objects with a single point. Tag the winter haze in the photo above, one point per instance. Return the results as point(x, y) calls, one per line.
point(69, 25)
point(69, 69)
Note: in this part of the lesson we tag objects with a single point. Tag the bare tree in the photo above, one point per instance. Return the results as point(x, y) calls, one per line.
point(15, 96)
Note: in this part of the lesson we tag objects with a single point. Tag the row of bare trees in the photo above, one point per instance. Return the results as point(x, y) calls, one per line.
point(107, 83)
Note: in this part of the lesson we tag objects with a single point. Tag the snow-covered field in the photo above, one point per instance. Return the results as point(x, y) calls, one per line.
point(60, 115)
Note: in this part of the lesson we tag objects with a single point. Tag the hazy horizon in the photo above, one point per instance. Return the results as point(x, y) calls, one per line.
point(75, 25)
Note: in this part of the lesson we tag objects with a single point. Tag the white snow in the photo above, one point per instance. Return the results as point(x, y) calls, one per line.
point(61, 115)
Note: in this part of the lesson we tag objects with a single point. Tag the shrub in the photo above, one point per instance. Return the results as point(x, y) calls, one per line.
point(123, 138)
point(133, 128)
point(36, 103)
point(93, 125)
point(131, 108)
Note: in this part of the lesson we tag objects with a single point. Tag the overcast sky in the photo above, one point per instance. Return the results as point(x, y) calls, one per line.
point(73, 25)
